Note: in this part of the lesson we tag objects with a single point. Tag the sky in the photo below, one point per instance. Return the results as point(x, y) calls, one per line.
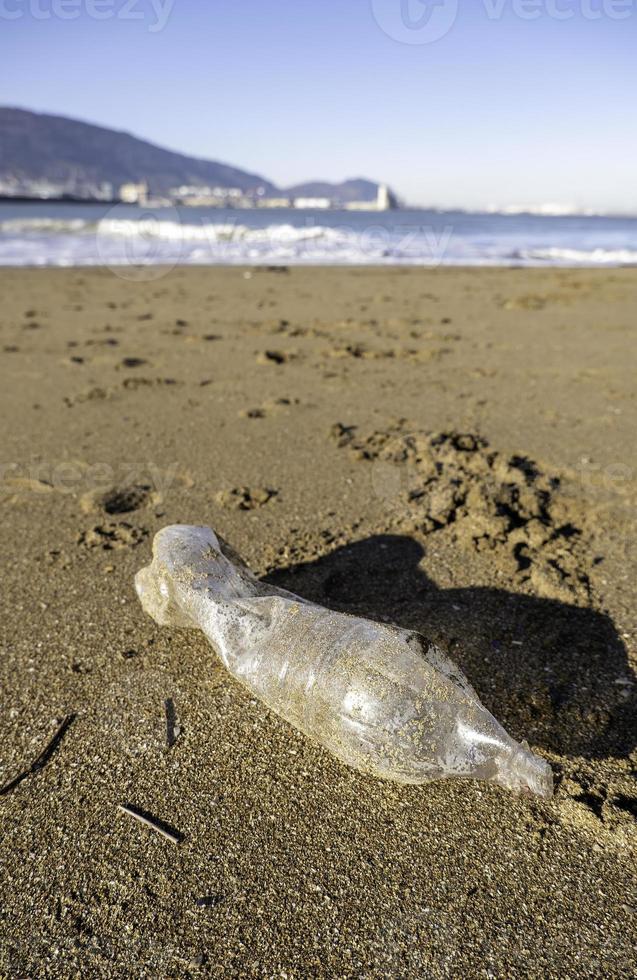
point(470, 103)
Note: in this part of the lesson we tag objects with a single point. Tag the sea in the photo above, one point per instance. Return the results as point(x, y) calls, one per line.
point(122, 235)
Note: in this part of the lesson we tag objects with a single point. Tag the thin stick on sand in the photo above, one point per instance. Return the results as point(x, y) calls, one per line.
point(153, 823)
point(43, 757)
point(172, 729)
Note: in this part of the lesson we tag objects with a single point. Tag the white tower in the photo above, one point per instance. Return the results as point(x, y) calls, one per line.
point(384, 199)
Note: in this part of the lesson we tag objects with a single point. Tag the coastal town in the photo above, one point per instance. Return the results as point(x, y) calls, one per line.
point(187, 195)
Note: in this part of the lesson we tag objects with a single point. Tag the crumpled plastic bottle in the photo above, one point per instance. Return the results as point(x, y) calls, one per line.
point(382, 699)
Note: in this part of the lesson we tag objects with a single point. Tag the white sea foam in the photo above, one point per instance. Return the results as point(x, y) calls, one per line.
point(578, 256)
point(30, 226)
point(418, 238)
point(174, 230)
point(114, 241)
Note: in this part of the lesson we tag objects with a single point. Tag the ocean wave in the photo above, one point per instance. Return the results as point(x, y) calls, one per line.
point(578, 256)
point(122, 241)
point(219, 233)
point(57, 226)
point(170, 231)
point(116, 240)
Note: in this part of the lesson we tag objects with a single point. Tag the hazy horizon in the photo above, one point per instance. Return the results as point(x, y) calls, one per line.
point(503, 109)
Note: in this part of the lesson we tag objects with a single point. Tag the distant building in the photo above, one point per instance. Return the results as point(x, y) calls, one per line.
point(200, 195)
point(273, 202)
point(360, 205)
point(134, 193)
point(314, 203)
point(43, 189)
point(385, 200)
point(105, 191)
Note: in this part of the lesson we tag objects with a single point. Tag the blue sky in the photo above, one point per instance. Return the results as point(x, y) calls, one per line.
point(517, 102)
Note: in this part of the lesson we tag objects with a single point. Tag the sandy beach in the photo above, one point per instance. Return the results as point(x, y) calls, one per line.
point(450, 450)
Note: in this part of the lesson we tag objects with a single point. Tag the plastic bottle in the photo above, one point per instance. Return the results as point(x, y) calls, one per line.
point(382, 699)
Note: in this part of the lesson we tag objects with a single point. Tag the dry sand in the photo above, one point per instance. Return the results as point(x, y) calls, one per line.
point(449, 450)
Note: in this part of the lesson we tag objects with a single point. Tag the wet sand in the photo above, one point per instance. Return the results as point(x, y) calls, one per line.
point(450, 450)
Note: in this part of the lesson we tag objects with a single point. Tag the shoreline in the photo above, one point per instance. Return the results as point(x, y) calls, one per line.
point(88, 236)
point(269, 265)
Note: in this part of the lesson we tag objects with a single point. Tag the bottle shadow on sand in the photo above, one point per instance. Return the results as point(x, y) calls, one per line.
point(555, 674)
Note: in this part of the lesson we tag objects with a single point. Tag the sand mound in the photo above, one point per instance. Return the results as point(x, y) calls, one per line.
point(500, 505)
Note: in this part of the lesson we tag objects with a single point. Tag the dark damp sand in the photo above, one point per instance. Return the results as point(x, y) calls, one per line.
point(207, 396)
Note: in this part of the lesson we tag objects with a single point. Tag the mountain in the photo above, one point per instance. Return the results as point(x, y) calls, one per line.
point(79, 158)
point(357, 189)
point(34, 146)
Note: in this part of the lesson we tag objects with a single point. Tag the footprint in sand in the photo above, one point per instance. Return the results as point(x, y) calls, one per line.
point(101, 342)
point(112, 536)
point(134, 383)
point(608, 815)
point(96, 393)
point(361, 352)
point(133, 362)
point(342, 435)
point(119, 500)
point(246, 498)
point(276, 357)
point(99, 393)
point(268, 408)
